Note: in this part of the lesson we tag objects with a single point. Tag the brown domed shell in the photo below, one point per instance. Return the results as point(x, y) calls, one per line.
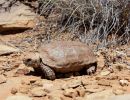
point(66, 56)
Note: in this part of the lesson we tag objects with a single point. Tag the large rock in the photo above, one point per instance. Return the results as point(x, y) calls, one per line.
point(5, 49)
point(17, 17)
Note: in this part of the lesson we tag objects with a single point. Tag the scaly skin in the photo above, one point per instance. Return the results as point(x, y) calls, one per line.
point(48, 72)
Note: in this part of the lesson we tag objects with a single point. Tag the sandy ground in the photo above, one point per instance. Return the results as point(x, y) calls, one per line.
point(15, 79)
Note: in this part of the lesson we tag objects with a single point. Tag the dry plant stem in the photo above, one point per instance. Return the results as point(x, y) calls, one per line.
point(92, 21)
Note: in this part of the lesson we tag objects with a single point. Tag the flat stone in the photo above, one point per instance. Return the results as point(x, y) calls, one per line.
point(32, 80)
point(56, 95)
point(104, 95)
point(79, 98)
point(22, 18)
point(5, 49)
point(38, 92)
point(120, 97)
point(81, 91)
point(48, 87)
point(105, 73)
point(19, 97)
point(24, 89)
point(104, 82)
point(94, 89)
point(70, 93)
point(118, 91)
point(72, 84)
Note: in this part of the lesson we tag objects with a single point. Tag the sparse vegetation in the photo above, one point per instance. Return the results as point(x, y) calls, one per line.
point(27, 57)
point(104, 23)
point(101, 22)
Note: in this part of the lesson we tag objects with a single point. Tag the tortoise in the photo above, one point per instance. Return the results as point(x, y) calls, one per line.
point(62, 57)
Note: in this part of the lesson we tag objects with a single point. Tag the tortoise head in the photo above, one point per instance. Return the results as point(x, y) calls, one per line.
point(32, 60)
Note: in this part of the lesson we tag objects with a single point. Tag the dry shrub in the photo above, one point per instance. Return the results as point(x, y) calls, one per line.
point(101, 22)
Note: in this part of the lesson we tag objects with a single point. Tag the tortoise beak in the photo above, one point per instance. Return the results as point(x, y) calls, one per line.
point(26, 62)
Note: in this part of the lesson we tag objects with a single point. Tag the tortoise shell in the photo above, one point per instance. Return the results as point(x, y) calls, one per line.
point(67, 56)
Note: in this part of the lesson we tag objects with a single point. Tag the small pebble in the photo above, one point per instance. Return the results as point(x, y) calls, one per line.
point(14, 90)
point(124, 82)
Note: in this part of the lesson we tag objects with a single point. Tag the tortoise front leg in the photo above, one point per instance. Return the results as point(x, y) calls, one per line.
point(48, 72)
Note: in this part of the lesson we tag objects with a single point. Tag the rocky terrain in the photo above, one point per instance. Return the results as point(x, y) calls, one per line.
point(18, 82)
point(19, 36)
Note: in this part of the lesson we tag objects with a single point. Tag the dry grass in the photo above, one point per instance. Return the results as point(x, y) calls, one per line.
point(101, 22)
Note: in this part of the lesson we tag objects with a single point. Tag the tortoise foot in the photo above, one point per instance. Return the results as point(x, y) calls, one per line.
point(91, 70)
point(50, 77)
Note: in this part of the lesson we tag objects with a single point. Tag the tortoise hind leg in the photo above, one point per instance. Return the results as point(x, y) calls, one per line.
point(48, 72)
point(91, 70)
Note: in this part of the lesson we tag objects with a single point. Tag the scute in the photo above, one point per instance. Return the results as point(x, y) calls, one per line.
point(66, 56)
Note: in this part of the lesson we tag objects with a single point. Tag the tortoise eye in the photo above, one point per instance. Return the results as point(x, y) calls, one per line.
point(28, 60)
